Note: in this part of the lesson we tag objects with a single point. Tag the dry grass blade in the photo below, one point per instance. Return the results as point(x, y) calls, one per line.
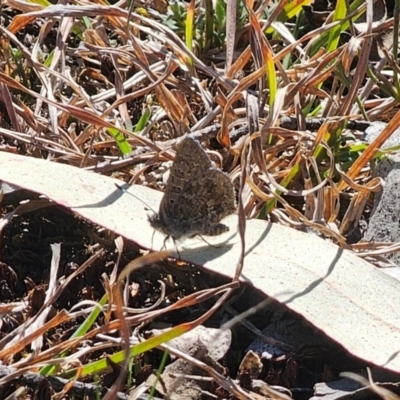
point(125, 334)
point(14, 347)
point(50, 294)
point(372, 149)
point(10, 106)
point(379, 390)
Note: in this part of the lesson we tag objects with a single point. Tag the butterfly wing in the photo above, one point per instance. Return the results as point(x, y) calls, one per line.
point(197, 195)
point(190, 158)
point(213, 199)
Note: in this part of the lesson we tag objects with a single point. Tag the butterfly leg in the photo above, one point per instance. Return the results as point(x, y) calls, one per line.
point(205, 241)
point(164, 247)
point(176, 248)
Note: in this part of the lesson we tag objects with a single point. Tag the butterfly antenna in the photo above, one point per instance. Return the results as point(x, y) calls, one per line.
point(131, 194)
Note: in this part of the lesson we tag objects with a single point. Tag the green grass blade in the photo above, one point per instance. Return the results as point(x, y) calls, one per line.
point(81, 331)
point(99, 366)
point(124, 147)
point(190, 29)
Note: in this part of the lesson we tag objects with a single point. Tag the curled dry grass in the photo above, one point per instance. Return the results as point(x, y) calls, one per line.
point(80, 77)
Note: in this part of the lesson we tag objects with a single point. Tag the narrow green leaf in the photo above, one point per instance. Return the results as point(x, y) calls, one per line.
point(82, 330)
point(334, 33)
point(99, 366)
point(189, 29)
point(43, 3)
point(124, 147)
point(144, 119)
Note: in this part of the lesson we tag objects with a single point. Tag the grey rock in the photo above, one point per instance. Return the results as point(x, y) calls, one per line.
point(384, 224)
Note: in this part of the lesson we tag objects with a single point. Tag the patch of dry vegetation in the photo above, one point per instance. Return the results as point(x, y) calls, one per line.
point(279, 94)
